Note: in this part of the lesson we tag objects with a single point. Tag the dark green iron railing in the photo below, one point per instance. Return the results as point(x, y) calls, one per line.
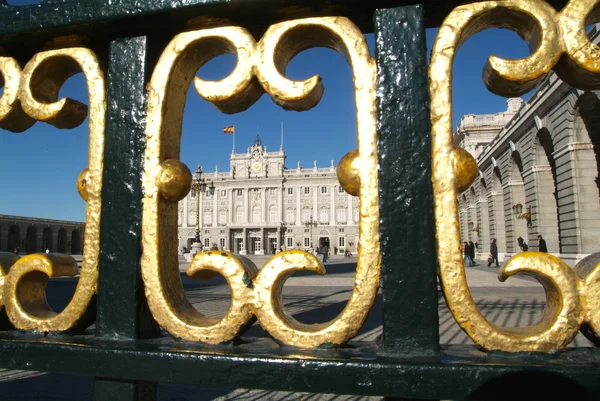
point(128, 355)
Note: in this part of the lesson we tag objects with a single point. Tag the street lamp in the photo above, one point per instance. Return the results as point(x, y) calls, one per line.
point(199, 185)
point(283, 230)
point(311, 223)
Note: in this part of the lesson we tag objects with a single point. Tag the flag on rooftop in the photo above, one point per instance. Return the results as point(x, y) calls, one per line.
point(228, 130)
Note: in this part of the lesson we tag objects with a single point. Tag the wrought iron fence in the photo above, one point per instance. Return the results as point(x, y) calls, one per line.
point(405, 171)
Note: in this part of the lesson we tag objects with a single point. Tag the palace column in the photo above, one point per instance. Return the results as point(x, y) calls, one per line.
point(215, 207)
point(244, 234)
point(246, 207)
point(298, 211)
point(184, 223)
point(264, 206)
point(262, 239)
point(350, 212)
point(231, 214)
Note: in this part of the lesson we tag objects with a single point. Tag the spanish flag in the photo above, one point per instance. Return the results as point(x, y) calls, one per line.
point(228, 130)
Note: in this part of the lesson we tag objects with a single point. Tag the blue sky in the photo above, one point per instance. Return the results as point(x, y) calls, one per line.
point(39, 167)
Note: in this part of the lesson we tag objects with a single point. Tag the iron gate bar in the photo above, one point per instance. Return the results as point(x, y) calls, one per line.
point(408, 268)
point(455, 375)
point(123, 312)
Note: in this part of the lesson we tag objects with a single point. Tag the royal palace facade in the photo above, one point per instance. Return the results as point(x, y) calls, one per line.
point(538, 173)
point(259, 207)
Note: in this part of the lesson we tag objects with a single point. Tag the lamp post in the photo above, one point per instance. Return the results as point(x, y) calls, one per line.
point(199, 185)
point(283, 228)
point(311, 223)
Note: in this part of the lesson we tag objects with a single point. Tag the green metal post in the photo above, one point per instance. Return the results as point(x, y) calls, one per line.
point(407, 232)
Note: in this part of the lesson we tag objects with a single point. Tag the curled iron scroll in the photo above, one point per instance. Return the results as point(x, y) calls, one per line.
point(32, 95)
point(166, 180)
point(557, 41)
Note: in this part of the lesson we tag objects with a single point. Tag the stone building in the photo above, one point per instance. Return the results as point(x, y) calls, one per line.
point(259, 206)
point(34, 235)
point(538, 173)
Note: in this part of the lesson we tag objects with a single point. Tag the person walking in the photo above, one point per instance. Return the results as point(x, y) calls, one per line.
point(472, 252)
point(467, 253)
point(542, 244)
point(493, 253)
point(325, 251)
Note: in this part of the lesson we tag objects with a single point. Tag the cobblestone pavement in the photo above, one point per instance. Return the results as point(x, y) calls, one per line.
point(311, 299)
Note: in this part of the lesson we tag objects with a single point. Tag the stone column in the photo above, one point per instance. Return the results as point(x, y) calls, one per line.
point(265, 218)
point(298, 206)
point(228, 240)
point(215, 208)
point(184, 223)
point(244, 236)
point(350, 212)
point(315, 202)
point(483, 223)
point(280, 203)
point(231, 214)
point(496, 213)
point(332, 217)
point(246, 207)
point(262, 241)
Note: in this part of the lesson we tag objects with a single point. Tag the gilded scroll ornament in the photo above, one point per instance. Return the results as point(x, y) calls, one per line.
point(259, 69)
point(557, 40)
point(23, 289)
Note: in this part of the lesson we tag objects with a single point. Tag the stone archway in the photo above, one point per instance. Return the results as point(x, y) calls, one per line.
point(14, 238)
point(545, 213)
point(61, 241)
point(496, 211)
point(47, 239)
point(31, 240)
point(75, 242)
point(516, 225)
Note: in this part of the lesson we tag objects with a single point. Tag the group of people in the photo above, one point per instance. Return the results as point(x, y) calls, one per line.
point(469, 252)
point(493, 257)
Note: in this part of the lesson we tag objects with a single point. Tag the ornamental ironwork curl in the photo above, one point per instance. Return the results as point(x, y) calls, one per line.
point(31, 95)
point(558, 42)
point(166, 180)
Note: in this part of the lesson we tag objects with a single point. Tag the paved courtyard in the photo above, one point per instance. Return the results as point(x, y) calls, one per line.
point(311, 299)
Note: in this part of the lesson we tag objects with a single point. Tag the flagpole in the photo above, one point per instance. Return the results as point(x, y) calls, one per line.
point(233, 147)
point(281, 148)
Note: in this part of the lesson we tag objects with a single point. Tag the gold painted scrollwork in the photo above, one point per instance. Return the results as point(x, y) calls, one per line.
point(557, 41)
point(23, 289)
point(259, 69)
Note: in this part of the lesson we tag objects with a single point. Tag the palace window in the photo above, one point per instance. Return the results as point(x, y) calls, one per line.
point(290, 191)
point(238, 192)
point(324, 216)
point(289, 215)
point(222, 217)
point(272, 214)
point(323, 190)
point(272, 191)
point(341, 230)
point(222, 243)
point(341, 215)
point(306, 242)
point(341, 189)
point(306, 190)
point(207, 218)
point(207, 242)
point(256, 214)
point(290, 242)
point(307, 215)
point(307, 230)
point(239, 215)
point(223, 193)
point(341, 242)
